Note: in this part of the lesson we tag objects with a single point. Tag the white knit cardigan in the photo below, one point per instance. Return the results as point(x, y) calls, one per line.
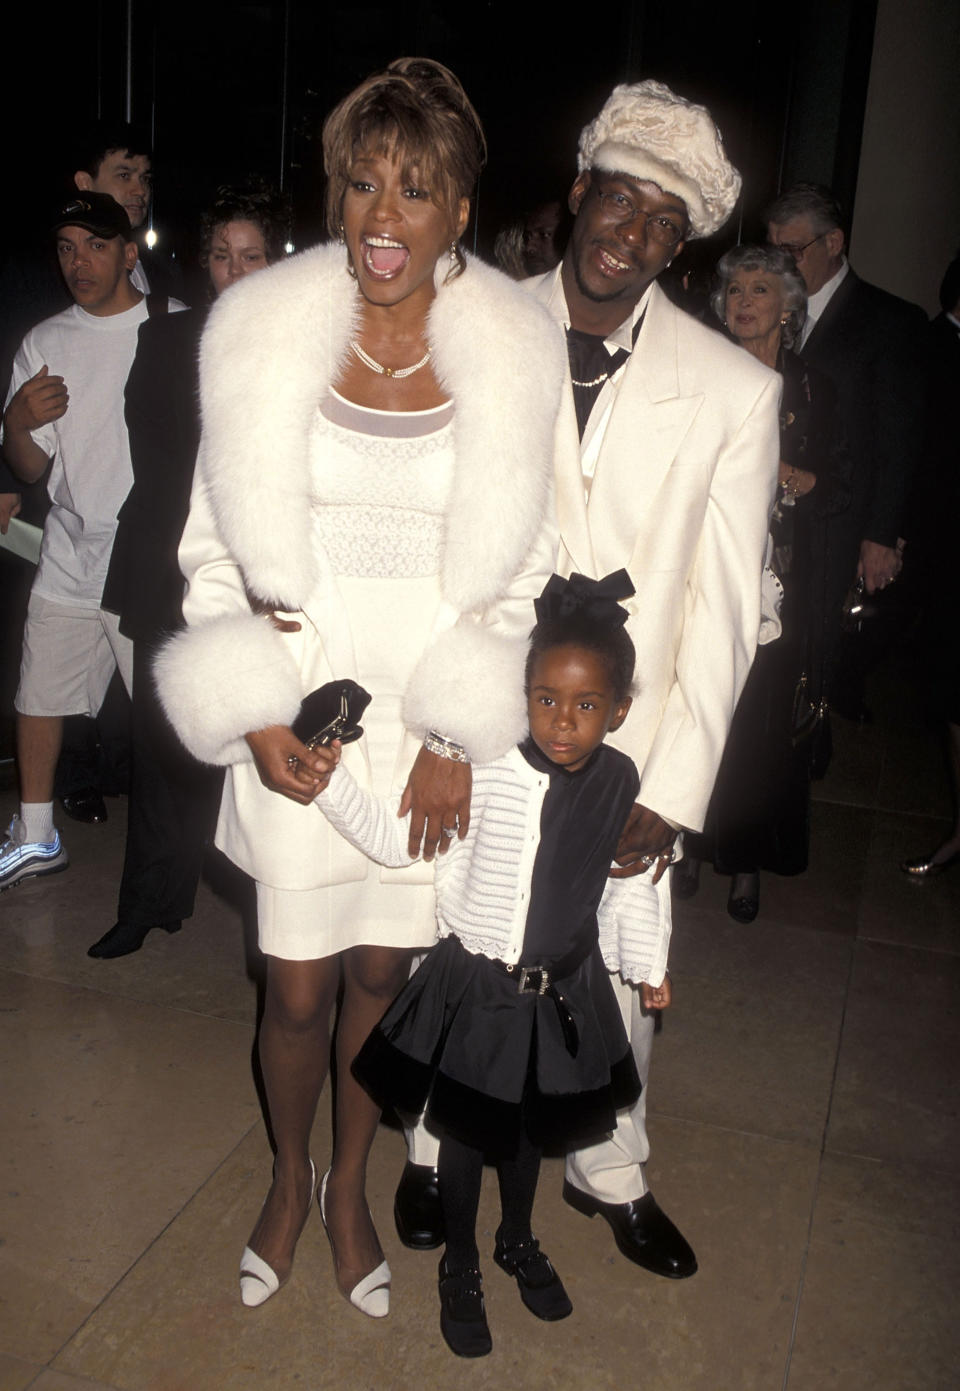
point(483, 882)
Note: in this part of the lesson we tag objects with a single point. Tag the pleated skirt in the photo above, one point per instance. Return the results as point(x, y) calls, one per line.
point(485, 1059)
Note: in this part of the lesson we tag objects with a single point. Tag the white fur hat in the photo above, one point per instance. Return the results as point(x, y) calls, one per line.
point(645, 130)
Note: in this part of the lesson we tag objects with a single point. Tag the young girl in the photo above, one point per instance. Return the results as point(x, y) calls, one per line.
point(509, 1032)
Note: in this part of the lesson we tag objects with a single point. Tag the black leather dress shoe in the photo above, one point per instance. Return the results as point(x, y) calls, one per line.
point(125, 938)
point(743, 910)
point(643, 1233)
point(416, 1208)
point(85, 805)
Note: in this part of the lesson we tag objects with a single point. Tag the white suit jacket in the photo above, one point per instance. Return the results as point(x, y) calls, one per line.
point(681, 499)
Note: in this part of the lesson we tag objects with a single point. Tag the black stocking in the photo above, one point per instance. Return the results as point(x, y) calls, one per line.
point(460, 1169)
point(518, 1186)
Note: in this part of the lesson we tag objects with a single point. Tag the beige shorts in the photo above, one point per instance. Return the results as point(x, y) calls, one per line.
point(69, 655)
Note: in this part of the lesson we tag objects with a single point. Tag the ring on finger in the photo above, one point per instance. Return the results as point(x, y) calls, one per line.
point(450, 831)
point(647, 860)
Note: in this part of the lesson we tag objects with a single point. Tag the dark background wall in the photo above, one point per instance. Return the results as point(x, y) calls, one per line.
point(243, 87)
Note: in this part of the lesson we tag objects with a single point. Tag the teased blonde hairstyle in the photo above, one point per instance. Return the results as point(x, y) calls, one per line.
point(414, 111)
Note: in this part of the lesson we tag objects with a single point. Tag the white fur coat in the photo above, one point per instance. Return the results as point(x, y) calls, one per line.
point(273, 345)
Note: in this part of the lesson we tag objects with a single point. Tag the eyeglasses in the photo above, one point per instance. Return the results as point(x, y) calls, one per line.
point(797, 251)
point(621, 210)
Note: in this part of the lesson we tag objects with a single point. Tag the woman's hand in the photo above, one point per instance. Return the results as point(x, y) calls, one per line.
point(646, 840)
point(797, 481)
point(289, 767)
point(438, 795)
point(879, 565)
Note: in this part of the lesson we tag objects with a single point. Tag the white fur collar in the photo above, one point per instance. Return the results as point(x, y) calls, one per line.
point(273, 345)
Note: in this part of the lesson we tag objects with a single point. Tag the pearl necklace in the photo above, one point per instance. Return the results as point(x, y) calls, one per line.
point(596, 381)
point(382, 371)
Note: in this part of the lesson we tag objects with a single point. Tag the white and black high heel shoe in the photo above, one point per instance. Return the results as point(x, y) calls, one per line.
point(259, 1281)
point(371, 1295)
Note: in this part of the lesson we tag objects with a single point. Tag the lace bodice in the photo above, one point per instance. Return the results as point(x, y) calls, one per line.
point(380, 483)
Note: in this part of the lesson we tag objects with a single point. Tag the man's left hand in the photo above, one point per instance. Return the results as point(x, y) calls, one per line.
point(646, 842)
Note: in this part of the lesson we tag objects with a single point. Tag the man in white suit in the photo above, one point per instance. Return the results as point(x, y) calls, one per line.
point(667, 458)
point(672, 478)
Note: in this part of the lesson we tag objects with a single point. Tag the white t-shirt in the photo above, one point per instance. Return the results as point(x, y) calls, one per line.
point(91, 472)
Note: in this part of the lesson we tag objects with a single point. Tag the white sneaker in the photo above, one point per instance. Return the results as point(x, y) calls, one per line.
point(24, 859)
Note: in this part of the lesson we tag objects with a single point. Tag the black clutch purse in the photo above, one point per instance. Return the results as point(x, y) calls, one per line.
point(332, 711)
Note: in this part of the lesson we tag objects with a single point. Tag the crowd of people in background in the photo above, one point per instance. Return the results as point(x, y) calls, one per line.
point(406, 456)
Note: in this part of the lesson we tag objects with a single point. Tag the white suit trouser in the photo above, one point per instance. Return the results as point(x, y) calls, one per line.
point(611, 1169)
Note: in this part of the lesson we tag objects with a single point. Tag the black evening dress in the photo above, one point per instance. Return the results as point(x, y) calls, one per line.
point(759, 814)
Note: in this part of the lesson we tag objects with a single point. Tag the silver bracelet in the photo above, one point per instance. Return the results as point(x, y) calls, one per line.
point(444, 748)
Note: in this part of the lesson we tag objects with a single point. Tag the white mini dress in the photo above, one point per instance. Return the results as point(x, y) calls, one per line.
point(381, 483)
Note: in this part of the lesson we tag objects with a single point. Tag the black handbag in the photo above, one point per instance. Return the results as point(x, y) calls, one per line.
point(332, 711)
point(810, 729)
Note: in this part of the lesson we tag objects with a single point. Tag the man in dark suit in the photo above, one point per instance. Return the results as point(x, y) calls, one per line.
point(872, 346)
point(173, 799)
point(869, 343)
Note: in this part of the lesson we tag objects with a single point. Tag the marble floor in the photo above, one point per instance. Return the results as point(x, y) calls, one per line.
point(803, 1122)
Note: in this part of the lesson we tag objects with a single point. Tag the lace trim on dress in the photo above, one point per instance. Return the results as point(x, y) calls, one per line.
point(380, 499)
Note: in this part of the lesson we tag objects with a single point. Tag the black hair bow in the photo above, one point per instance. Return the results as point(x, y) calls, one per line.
point(580, 596)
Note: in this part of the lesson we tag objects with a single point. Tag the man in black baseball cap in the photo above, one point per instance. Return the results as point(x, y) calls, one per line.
point(64, 411)
point(97, 252)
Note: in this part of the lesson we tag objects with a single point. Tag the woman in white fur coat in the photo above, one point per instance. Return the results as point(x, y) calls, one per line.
point(373, 500)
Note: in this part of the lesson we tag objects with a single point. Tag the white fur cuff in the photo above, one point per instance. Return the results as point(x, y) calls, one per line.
point(219, 681)
point(468, 686)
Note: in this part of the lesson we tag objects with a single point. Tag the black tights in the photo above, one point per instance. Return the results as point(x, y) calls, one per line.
point(461, 1168)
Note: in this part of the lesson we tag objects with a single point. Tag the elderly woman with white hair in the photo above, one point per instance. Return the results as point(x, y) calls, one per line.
point(759, 813)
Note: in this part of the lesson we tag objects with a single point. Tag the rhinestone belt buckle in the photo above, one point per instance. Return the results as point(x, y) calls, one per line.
point(534, 978)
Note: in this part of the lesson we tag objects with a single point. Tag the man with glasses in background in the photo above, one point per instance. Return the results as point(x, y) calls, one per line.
point(871, 346)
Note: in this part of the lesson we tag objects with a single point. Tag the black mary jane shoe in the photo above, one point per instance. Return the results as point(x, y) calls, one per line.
point(125, 938)
point(416, 1208)
point(463, 1318)
point(541, 1288)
